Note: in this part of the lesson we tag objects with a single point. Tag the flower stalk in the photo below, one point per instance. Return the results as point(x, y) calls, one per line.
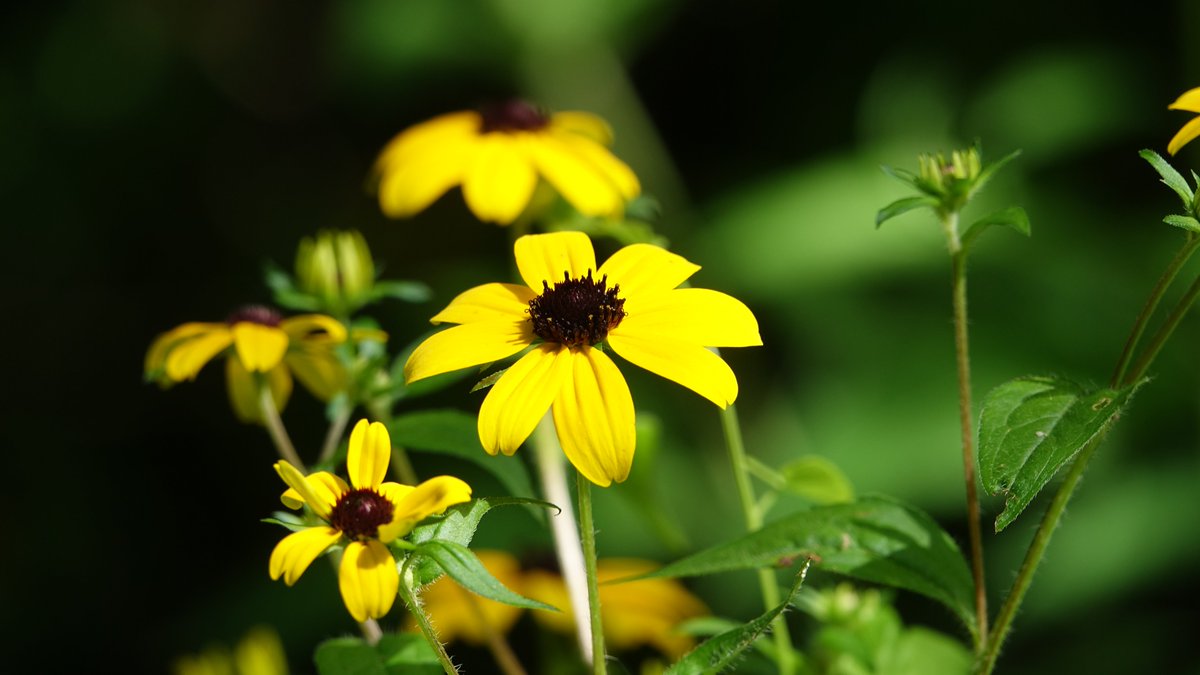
point(588, 529)
point(422, 618)
point(754, 520)
point(274, 424)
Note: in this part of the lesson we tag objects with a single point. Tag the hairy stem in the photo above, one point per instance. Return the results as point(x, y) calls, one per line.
point(754, 520)
point(1164, 333)
point(588, 529)
point(418, 612)
point(274, 424)
point(567, 545)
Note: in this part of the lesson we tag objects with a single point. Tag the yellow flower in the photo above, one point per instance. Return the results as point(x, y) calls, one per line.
point(567, 308)
point(633, 614)
point(364, 516)
point(497, 155)
point(257, 340)
point(458, 614)
point(259, 653)
point(1189, 101)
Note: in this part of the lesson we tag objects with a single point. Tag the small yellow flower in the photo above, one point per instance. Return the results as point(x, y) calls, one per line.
point(255, 339)
point(364, 516)
point(259, 653)
point(1189, 101)
point(497, 155)
point(450, 606)
point(633, 614)
point(567, 308)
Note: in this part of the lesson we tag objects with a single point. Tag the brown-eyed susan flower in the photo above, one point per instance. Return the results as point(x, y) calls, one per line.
point(457, 614)
point(566, 310)
point(498, 156)
point(634, 614)
point(1189, 101)
point(259, 341)
point(363, 517)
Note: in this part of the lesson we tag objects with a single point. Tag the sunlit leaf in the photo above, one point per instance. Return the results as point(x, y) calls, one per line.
point(723, 650)
point(1185, 222)
point(874, 539)
point(903, 205)
point(1170, 177)
point(408, 291)
point(818, 480)
point(1012, 217)
point(1031, 427)
point(464, 567)
point(395, 654)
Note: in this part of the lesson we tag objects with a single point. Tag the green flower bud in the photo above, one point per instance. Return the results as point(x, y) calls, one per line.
point(337, 269)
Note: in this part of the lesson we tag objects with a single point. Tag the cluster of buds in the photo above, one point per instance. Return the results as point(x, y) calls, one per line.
point(336, 268)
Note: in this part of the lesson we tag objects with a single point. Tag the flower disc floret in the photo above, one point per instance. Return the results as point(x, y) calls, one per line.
point(635, 309)
point(512, 115)
point(576, 312)
point(360, 513)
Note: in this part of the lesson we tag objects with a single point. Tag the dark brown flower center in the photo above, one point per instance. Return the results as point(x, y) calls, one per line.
point(512, 115)
point(259, 314)
point(360, 512)
point(576, 312)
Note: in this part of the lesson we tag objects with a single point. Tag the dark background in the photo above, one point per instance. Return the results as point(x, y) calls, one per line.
point(153, 155)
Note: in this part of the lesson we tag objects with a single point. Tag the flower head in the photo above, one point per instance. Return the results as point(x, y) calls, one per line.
point(633, 614)
point(566, 310)
point(497, 155)
point(363, 516)
point(337, 269)
point(1189, 101)
point(255, 340)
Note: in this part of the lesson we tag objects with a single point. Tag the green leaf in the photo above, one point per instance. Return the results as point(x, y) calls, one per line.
point(1186, 222)
point(720, 651)
point(874, 539)
point(818, 480)
point(992, 169)
point(453, 432)
point(348, 656)
point(488, 381)
point(1031, 427)
point(1170, 177)
point(1014, 217)
point(902, 175)
point(405, 653)
point(461, 564)
point(408, 291)
point(902, 206)
point(920, 651)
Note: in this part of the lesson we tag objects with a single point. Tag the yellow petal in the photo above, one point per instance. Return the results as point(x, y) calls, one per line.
point(243, 390)
point(368, 580)
point(487, 302)
point(314, 327)
point(261, 653)
point(587, 187)
point(259, 347)
point(545, 257)
point(156, 356)
point(316, 490)
point(594, 417)
point(189, 356)
point(695, 315)
point(500, 180)
point(605, 163)
point(424, 162)
point(1188, 100)
point(369, 454)
point(582, 124)
point(680, 361)
point(296, 552)
point(472, 344)
point(644, 268)
point(519, 400)
point(427, 499)
point(394, 492)
point(318, 369)
point(1186, 135)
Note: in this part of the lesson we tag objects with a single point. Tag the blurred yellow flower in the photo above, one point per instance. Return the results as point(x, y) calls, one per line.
point(633, 614)
point(497, 155)
point(258, 653)
point(256, 340)
point(567, 308)
point(456, 613)
point(1189, 101)
point(366, 515)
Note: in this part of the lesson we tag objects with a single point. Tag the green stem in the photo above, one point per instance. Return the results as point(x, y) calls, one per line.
point(1033, 556)
point(336, 428)
point(1139, 326)
point(588, 531)
point(963, 363)
point(754, 520)
point(418, 612)
point(274, 424)
point(567, 545)
point(1164, 333)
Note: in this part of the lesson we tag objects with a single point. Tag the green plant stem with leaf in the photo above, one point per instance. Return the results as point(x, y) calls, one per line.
point(418, 611)
point(587, 529)
point(754, 521)
point(1122, 377)
point(958, 256)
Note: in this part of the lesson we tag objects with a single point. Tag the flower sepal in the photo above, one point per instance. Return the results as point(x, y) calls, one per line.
point(946, 184)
